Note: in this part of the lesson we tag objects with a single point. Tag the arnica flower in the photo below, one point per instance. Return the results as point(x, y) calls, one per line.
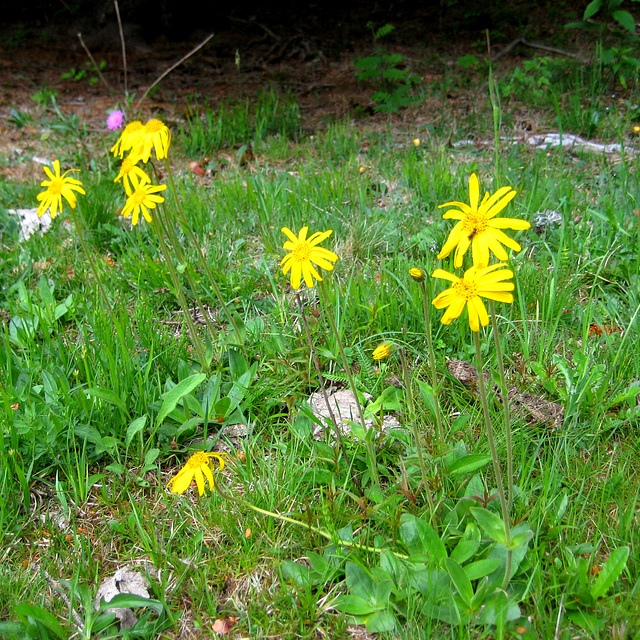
point(156, 135)
point(58, 187)
point(142, 197)
point(128, 169)
point(114, 120)
point(417, 274)
point(382, 351)
point(479, 227)
point(304, 254)
point(477, 282)
point(198, 466)
point(129, 138)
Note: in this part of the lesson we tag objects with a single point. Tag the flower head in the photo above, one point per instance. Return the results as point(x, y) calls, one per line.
point(304, 254)
point(114, 120)
point(142, 197)
point(417, 274)
point(198, 466)
point(416, 142)
point(128, 169)
point(129, 138)
point(156, 135)
point(479, 227)
point(58, 187)
point(382, 351)
point(477, 283)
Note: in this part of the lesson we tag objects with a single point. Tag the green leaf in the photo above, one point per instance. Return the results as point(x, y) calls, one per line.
point(381, 621)
point(467, 545)
point(609, 573)
point(625, 19)
point(420, 538)
point(469, 463)
point(129, 601)
point(355, 605)
point(520, 539)
point(135, 427)
point(460, 580)
point(42, 617)
point(176, 394)
point(481, 568)
point(592, 8)
point(490, 523)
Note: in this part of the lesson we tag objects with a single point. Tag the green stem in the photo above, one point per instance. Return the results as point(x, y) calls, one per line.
point(203, 261)
point(323, 388)
point(414, 428)
point(494, 454)
point(368, 440)
point(299, 523)
point(177, 285)
point(432, 361)
point(505, 403)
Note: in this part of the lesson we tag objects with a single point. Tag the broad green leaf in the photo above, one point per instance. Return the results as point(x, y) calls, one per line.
point(107, 395)
point(592, 8)
point(129, 600)
point(469, 463)
point(355, 605)
point(178, 392)
point(460, 580)
point(609, 573)
point(587, 621)
point(300, 574)
point(625, 19)
point(520, 539)
point(468, 544)
point(360, 583)
point(135, 427)
point(421, 539)
point(381, 621)
point(490, 523)
point(481, 568)
point(43, 617)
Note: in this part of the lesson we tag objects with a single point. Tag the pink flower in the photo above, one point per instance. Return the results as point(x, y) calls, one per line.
point(114, 120)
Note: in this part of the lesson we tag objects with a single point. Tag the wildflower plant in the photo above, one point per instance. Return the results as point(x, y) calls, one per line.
point(146, 142)
point(479, 228)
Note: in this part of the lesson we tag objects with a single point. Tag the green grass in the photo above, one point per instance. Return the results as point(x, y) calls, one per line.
point(84, 390)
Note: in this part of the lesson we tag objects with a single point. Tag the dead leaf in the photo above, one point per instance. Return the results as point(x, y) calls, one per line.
point(124, 580)
point(222, 627)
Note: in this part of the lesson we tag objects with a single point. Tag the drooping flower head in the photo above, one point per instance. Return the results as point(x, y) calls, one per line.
point(142, 197)
point(198, 466)
point(304, 255)
point(477, 282)
point(382, 351)
point(417, 274)
point(58, 187)
point(156, 135)
point(114, 120)
point(129, 138)
point(128, 169)
point(479, 227)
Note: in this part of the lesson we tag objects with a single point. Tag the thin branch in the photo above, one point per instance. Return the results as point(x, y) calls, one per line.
point(124, 52)
point(95, 66)
point(171, 68)
point(534, 45)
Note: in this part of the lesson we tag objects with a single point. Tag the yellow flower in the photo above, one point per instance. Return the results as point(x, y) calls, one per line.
point(477, 282)
point(129, 138)
point(128, 169)
point(417, 274)
point(198, 466)
point(58, 187)
point(156, 135)
point(304, 254)
point(382, 351)
point(479, 227)
point(416, 142)
point(142, 197)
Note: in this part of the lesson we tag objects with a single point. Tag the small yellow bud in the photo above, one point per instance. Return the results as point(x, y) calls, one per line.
point(416, 142)
point(636, 129)
point(382, 351)
point(362, 169)
point(417, 274)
